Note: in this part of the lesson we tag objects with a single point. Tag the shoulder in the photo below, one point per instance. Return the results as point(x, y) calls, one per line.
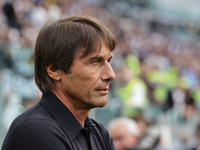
point(35, 129)
point(35, 113)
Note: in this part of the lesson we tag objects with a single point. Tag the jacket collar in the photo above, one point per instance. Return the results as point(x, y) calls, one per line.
point(62, 115)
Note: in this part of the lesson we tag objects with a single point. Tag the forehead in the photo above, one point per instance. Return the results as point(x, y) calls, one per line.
point(103, 51)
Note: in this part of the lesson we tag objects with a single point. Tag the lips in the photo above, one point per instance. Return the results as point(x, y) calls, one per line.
point(102, 91)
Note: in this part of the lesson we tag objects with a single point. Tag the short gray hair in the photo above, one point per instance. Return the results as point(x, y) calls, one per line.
point(130, 124)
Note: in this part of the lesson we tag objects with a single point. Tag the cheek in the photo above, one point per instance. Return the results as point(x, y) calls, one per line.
point(82, 83)
point(87, 78)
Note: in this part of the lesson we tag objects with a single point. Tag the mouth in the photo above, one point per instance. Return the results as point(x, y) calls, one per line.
point(102, 91)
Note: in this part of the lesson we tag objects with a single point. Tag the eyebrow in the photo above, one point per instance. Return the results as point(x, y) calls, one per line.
point(101, 57)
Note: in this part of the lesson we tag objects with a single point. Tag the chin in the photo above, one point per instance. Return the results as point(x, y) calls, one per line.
point(103, 103)
point(99, 102)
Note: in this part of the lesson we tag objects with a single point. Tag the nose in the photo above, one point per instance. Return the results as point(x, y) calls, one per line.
point(108, 73)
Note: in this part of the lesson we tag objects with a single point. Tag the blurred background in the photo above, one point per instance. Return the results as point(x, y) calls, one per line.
point(156, 61)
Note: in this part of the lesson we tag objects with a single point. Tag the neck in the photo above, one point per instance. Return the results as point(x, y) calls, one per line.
point(79, 113)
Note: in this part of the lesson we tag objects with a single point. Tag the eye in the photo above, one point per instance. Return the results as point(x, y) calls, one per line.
point(95, 61)
point(110, 60)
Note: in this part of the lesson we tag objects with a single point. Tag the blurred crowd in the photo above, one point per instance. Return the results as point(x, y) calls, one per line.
point(157, 75)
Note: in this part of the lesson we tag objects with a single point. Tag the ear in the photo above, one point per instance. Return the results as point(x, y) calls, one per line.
point(55, 74)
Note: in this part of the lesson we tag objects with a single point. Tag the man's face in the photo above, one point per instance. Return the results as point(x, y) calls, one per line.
point(87, 84)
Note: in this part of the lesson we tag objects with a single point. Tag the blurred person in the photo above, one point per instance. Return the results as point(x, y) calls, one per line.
point(134, 93)
point(11, 16)
point(184, 124)
point(124, 131)
point(73, 72)
point(142, 122)
point(39, 15)
point(197, 140)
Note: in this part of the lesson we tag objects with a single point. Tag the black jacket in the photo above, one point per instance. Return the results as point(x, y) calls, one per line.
point(49, 125)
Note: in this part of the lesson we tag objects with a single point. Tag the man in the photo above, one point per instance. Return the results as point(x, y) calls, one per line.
point(73, 72)
point(125, 132)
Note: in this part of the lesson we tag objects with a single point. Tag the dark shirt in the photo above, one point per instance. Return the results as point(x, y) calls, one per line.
point(49, 125)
